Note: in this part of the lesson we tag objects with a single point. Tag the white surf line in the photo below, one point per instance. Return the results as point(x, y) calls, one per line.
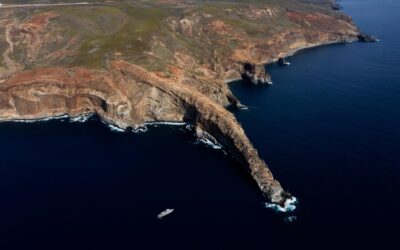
point(206, 138)
point(39, 5)
point(115, 128)
point(243, 107)
point(45, 119)
point(187, 125)
point(85, 117)
point(209, 143)
point(166, 123)
point(289, 205)
point(143, 128)
point(80, 118)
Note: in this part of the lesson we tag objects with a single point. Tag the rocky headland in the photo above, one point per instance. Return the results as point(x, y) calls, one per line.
point(138, 62)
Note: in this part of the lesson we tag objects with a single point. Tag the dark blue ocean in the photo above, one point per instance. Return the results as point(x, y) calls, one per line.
point(329, 128)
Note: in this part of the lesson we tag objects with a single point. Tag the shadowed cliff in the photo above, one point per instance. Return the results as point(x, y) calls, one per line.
point(140, 62)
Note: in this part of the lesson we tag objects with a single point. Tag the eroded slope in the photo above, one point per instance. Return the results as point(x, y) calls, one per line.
point(145, 61)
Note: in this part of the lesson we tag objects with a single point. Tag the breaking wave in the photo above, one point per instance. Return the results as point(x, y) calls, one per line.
point(289, 205)
point(84, 118)
point(166, 123)
point(290, 219)
point(209, 143)
point(144, 128)
point(115, 128)
point(61, 117)
point(81, 118)
point(243, 107)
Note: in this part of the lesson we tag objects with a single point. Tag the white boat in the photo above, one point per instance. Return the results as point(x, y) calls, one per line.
point(164, 213)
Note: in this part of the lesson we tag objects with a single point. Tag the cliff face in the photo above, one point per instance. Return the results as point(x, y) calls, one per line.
point(162, 61)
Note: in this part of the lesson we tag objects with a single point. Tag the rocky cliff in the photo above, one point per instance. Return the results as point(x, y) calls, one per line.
point(132, 63)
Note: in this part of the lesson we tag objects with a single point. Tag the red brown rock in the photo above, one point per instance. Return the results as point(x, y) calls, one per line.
point(161, 61)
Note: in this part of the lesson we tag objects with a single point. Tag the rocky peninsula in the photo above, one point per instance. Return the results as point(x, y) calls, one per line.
point(138, 62)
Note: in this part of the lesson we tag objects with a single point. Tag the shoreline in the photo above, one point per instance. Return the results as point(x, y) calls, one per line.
point(294, 52)
point(312, 46)
point(130, 95)
point(142, 128)
point(262, 177)
point(85, 117)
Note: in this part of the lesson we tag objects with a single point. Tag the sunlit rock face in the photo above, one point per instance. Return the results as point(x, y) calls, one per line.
point(158, 61)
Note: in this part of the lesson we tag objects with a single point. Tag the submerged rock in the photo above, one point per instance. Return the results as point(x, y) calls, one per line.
point(336, 6)
point(283, 62)
point(363, 37)
point(290, 219)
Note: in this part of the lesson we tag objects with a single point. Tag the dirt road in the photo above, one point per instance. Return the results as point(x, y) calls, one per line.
point(41, 5)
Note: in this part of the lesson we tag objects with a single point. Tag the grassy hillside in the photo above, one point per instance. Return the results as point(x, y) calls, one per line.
point(155, 34)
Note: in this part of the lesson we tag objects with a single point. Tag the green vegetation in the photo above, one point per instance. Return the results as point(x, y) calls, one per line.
point(106, 30)
point(150, 33)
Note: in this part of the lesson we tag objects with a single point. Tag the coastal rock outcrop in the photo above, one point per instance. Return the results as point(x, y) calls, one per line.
point(363, 37)
point(55, 92)
point(255, 74)
point(156, 61)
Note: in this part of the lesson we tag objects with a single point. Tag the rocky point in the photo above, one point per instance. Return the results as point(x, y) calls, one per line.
point(135, 62)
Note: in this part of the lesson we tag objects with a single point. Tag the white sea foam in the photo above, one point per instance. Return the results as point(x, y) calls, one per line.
point(166, 123)
point(189, 126)
point(289, 206)
point(40, 119)
point(140, 130)
point(243, 107)
point(144, 128)
point(115, 128)
point(209, 143)
point(81, 118)
point(290, 219)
